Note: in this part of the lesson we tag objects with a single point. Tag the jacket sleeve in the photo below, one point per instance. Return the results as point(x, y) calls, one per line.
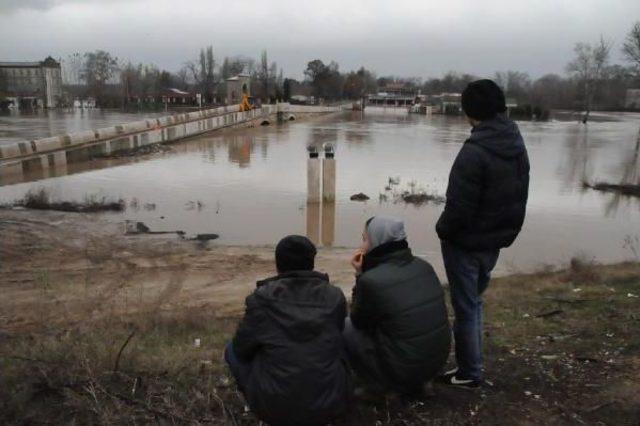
point(464, 193)
point(341, 311)
point(364, 312)
point(246, 341)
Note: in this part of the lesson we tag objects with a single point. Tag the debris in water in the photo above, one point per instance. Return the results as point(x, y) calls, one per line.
point(414, 195)
point(394, 180)
point(131, 227)
point(359, 197)
point(623, 188)
point(421, 198)
point(141, 150)
point(205, 237)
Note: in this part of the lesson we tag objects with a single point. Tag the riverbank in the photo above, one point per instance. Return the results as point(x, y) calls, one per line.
point(96, 326)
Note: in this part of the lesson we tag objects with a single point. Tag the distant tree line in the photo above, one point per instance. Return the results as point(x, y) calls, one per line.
point(115, 83)
point(590, 82)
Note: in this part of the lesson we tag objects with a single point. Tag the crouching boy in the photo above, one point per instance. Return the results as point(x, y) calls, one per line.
point(288, 356)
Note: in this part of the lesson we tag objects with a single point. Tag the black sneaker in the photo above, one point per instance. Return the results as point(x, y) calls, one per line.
point(450, 378)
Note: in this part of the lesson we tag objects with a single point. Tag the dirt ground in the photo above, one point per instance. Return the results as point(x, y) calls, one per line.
point(99, 327)
point(61, 267)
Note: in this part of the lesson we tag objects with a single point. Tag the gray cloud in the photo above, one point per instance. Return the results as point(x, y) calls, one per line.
point(7, 6)
point(418, 38)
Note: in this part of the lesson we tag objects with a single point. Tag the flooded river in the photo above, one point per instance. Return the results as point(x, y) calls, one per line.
point(18, 126)
point(250, 185)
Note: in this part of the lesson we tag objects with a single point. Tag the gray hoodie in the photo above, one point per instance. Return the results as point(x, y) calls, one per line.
point(382, 230)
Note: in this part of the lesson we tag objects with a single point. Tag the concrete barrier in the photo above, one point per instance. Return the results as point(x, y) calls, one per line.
point(43, 154)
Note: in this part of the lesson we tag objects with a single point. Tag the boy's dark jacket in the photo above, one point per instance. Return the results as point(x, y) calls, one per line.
point(292, 336)
point(399, 302)
point(488, 188)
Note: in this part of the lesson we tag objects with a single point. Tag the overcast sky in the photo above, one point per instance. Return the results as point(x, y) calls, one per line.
point(406, 38)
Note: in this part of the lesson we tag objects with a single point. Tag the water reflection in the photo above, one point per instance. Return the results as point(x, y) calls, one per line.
point(584, 158)
point(240, 149)
point(322, 135)
point(577, 158)
point(630, 175)
point(313, 222)
point(328, 223)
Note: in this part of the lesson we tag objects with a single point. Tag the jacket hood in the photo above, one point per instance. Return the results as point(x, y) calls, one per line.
point(500, 136)
point(300, 302)
point(382, 230)
point(385, 252)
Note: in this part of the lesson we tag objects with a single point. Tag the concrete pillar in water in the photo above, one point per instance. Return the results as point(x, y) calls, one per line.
point(328, 223)
point(313, 176)
point(328, 174)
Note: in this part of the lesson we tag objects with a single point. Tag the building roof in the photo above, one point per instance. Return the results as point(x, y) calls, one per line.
point(48, 62)
point(20, 64)
point(238, 77)
point(178, 92)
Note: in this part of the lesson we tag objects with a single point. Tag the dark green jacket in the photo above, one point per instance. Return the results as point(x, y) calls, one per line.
point(398, 300)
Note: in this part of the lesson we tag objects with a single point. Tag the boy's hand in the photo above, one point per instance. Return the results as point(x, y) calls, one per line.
point(356, 260)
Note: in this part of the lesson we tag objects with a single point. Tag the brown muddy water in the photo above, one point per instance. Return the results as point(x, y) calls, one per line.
point(18, 126)
point(250, 185)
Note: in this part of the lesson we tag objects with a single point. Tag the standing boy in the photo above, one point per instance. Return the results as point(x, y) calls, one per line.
point(485, 209)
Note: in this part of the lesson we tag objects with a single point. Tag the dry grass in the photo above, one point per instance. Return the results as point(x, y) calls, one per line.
point(554, 354)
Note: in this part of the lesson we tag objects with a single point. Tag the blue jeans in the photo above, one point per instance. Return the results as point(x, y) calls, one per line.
point(240, 370)
point(468, 273)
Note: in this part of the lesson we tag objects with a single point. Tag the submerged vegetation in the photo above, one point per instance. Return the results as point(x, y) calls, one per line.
point(40, 199)
point(413, 194)
point(623, 189)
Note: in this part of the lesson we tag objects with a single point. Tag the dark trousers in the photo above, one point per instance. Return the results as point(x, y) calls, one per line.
point(362, 357)
point(468, 273)
point(240, 370)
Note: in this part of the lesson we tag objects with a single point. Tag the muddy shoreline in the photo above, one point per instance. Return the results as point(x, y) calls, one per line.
point(88, 263)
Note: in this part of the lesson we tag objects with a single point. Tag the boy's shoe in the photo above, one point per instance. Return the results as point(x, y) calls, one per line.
point(450, 378)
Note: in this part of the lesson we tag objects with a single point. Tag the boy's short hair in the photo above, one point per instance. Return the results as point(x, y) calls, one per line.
point(295, 253)
point(483, 100)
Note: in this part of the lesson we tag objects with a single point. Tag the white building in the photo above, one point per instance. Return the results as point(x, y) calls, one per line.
point(32, 84)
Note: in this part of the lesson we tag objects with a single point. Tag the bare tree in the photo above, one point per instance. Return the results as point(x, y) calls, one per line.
point(589, 67)
point(210, 79)
point(631, 47)
point(182, 78)
point(515, 84)
point(99, 68)
point(72, 68)
point(263, 74)
point(202, 73)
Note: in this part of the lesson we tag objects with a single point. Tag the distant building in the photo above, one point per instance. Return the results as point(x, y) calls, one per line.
point(29, 85)
point(446, 103)
point(394, 94)
point(177, 96)
point(632, 100)
point(236, 87)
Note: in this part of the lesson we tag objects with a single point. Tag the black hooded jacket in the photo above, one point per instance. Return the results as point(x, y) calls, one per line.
point(292, 336)
point(488, 188)
point(399, 302)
